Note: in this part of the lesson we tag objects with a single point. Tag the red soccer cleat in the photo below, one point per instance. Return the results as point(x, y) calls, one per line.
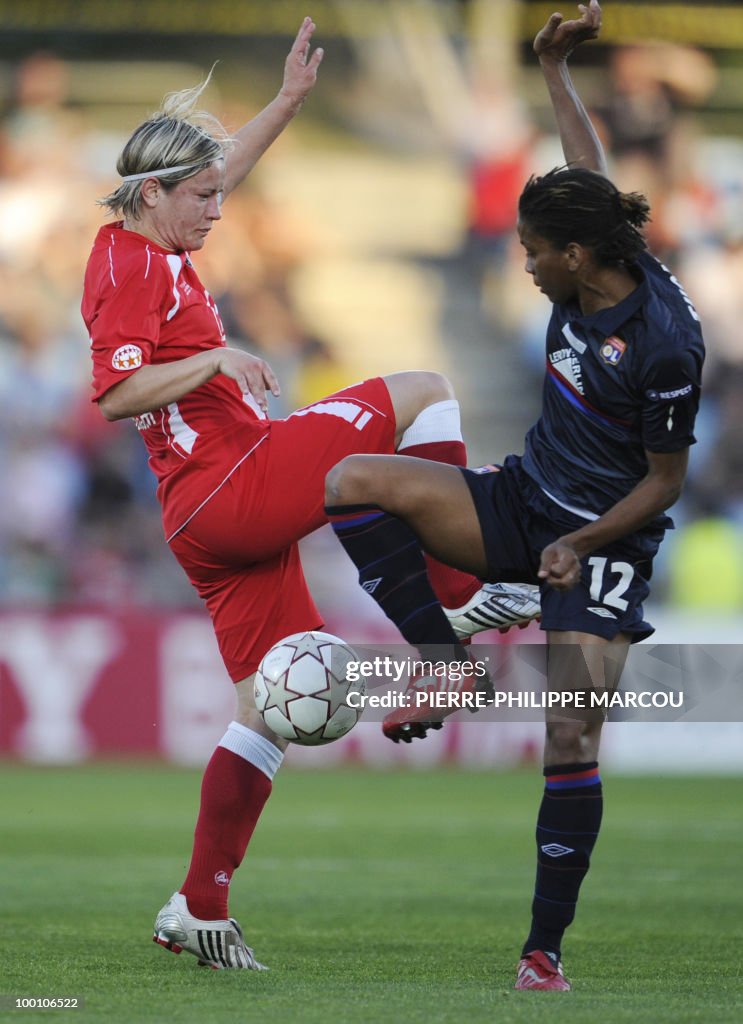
point(537, 971)
point(428, 701)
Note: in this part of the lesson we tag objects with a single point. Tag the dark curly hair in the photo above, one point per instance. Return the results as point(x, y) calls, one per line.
point(572, 204)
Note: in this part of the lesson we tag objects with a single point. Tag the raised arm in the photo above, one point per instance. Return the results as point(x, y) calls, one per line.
point(254, 138)
point(553, 45)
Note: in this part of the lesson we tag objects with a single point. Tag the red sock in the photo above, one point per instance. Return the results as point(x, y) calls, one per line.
point(233, 793)
point(453, 588)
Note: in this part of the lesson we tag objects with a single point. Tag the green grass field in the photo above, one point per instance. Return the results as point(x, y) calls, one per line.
point(374, 897)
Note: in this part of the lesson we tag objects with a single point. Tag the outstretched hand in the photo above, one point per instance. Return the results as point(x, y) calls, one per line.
point(300, 67)
point(559, 38)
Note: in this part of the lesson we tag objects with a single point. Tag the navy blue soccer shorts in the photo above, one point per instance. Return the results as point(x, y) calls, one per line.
point(518, 521)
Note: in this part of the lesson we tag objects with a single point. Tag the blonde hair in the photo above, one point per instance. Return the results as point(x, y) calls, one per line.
point(179, 136)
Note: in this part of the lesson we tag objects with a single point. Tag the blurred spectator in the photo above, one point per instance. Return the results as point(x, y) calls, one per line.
point(714, 273)
point(319, 373)
point(651, 85)
point(704, 572)
point(718, 481)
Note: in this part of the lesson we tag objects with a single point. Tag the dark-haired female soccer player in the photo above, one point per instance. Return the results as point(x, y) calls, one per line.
point(581, 512)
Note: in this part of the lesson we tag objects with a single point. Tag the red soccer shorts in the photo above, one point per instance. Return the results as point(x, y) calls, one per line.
point(240, 549)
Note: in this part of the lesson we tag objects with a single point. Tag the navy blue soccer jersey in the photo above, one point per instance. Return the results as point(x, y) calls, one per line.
point(619, 382)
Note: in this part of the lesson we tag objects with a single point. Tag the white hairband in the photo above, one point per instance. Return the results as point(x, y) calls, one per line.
point(160, 170)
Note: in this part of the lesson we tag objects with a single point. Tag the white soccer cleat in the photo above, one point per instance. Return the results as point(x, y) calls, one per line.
point(217, 944)
point(496, 606)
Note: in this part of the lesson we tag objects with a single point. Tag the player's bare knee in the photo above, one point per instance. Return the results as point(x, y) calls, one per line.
point(431, 387)
point(437, 387)
point(572, 742)
point(412, 391)
point(347, 482)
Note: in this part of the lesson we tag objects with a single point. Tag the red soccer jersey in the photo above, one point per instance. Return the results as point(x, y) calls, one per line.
point(145, 305)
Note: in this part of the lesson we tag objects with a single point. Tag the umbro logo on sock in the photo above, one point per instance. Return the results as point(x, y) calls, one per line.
point(371, 585)
point(556, 850)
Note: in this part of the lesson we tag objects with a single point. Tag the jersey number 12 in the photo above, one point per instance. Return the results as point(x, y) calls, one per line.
point(599, 573)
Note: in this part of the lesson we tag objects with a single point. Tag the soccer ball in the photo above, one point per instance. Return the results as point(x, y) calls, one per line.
point(301, 689)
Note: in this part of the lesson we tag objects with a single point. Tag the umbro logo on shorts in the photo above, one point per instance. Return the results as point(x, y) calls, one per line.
point(603, 612)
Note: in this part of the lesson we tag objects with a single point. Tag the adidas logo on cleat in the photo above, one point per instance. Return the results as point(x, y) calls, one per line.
point(541, 971)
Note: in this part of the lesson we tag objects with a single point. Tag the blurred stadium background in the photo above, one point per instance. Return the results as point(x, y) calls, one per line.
point(376, 235)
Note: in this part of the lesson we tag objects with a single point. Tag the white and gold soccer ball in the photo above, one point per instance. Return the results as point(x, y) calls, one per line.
point(302, 690)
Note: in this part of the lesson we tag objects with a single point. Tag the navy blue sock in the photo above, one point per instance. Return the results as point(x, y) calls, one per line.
point(393, 570)
point(567, 827)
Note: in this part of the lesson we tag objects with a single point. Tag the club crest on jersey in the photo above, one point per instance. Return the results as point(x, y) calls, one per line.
point(127, 357)
point(612, 350)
